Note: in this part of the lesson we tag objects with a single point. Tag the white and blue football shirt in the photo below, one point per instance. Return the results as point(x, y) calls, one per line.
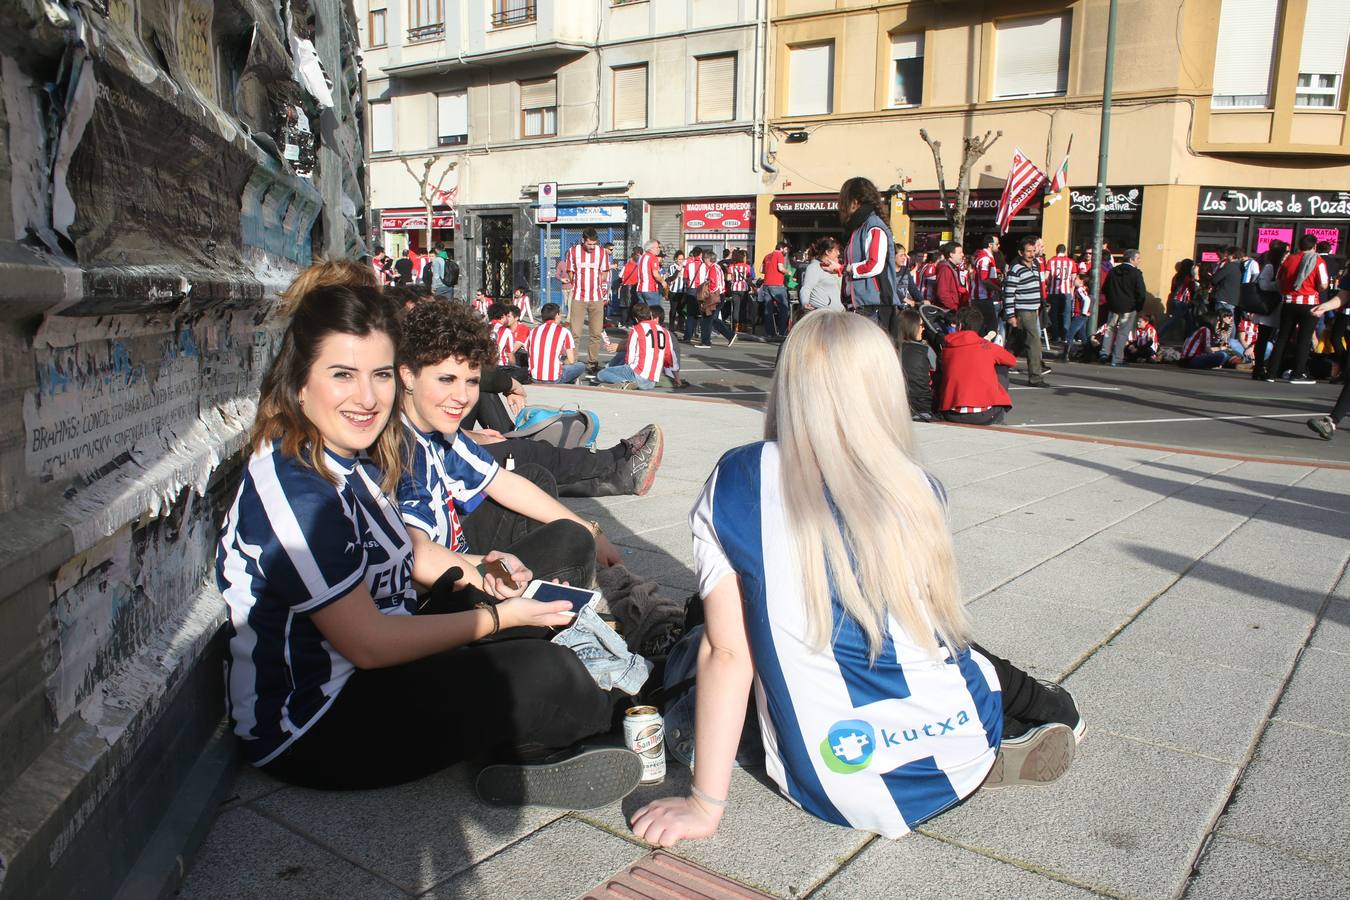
point(446, 476)
point(291, 544)
point(876, 746)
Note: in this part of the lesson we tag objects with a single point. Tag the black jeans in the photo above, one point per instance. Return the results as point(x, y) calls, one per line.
point(1342, 407)
point(708, 323)
point(1023, 696)
point(888, 317)
point(507, 699)
point(1264, 335)
point(1293, 316)
point(576, 472)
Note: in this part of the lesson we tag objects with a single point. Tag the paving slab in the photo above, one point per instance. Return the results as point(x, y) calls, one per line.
point(441, 827)
point(763, 841)
point(1333, 631)
point(1316, 694)
point(1099, 573)
point(1127, 818)
point(248, 855)
point(1045, 637)
point(251, 784)
point(1170, 700)
point(563, 859)
point(1294, 795)
point(1233, 868)
point(918, 866)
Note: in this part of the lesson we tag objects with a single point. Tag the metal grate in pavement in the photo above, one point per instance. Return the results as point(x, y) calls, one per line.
point(660, 876)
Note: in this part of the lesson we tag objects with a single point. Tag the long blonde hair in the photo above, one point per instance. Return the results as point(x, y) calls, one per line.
point(863, 516)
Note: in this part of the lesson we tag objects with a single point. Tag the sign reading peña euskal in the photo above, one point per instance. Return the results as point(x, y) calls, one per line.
point(1120, 201)
point(1219, 201)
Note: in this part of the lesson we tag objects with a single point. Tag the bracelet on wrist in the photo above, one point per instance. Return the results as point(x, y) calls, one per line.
point(496, 617)
point(707, 798)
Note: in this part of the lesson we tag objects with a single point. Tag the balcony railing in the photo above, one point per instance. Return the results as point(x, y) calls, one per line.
point(513, 13)
point(426, 32)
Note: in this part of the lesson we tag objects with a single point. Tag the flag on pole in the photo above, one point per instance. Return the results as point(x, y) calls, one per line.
point(1024, 181)
point(1060, 180)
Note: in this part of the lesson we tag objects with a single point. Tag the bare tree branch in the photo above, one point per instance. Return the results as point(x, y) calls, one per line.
point(936, 147)
point(426, 191)
point(972, 148)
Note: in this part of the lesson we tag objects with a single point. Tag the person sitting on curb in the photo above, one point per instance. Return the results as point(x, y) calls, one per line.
point(1202, 350)
point(835, 592)
point(336, 677)
point(973, 374)
point(648, 353)
point(919, 362)
point(1143, 345)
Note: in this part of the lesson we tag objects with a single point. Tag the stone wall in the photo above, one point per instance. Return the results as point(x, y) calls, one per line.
point(165, 168)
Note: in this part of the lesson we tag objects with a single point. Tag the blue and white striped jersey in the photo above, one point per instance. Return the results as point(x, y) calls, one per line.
point(291, 544)
point(446, 476)
point(879, 747)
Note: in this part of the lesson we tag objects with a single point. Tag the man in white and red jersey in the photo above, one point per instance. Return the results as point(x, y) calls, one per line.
point(588, 266)
point(928, 276)
point(987, 278)
point(648, 353)
point(502, 325)
point(1303, 278)
point(1198, 352)
point(552, 351)
point(481, 304)
point(650, 281)
point(695, 276)
point(1144, 344)
point(1061, 269)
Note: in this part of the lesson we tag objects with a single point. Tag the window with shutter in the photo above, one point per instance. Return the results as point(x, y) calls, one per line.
point(907, 69)
point(539, 108)
point(1326, 31)
point(715, 99)
point(452, 118)
point(381, 127)
point(1243, 54)
point(377, 36)
point(811, 79)
point(630, 97)
point(1032, 57)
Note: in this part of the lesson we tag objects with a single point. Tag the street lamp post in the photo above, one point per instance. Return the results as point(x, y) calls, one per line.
point(1103, 151)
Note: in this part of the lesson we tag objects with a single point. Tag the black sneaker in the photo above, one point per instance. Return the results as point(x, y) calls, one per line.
point(1055, 705)
point(1039, 756)
point(1302, 379)
point(1323, 427)
point(644, 458)
point(586, 779)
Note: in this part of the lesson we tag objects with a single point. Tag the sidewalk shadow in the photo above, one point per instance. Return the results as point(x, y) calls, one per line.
point(1226, 577)
point(1288, 511)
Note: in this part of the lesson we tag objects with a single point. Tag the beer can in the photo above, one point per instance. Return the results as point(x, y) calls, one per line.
point(644, 732)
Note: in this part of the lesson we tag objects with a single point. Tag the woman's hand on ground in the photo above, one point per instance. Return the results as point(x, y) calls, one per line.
point(505, 590)
point(665, 822)
point(606, 554)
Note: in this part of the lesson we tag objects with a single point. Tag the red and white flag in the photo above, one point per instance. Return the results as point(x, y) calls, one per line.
point(1060, 180)
point(1024, 181)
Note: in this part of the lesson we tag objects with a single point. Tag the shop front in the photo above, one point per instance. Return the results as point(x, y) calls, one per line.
point(1122, 208)
point(609, 218)
point(718, 225)
point(930, 225)
point(1250, 218)
point(404, 228)
point(804, 217)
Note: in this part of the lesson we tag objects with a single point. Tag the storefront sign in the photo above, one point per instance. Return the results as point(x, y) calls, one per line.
point(728, 215)
point(1294, 204)
point(615, 214)
point(1265, 236)
point(809, 203)
point(1330, 235)
point(980, 201)
point(414, 220)
point(1120, 201)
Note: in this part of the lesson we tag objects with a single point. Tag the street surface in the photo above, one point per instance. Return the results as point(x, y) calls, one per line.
point(1197, 606)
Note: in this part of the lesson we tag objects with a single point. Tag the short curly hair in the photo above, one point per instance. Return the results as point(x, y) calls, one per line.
point(437, 330)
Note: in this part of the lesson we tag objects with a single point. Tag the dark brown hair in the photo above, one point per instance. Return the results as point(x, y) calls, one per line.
point(862, 190)
point(433, 332)
point(325, 273)
point(820, 246)
point(322, 311)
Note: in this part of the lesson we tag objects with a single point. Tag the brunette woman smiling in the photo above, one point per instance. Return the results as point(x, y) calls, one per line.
point(331, 682)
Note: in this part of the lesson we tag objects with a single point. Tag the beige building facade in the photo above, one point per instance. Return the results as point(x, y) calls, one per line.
point(644, 113)
point(1229, 120)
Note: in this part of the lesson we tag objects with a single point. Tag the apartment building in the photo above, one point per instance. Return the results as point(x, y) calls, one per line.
point(642, 112)
point(1229, 125)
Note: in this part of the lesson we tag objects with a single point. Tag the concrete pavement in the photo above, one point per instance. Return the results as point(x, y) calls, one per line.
point(1198, 607)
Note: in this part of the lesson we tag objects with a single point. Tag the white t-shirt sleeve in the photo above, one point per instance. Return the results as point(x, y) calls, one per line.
point(710, 561)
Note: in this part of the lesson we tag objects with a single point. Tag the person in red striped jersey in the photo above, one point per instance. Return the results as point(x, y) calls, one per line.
point(588, 266)
point(1199, 352)
point(1303, 278)
point(649, 281)
point(1143, 345)
point(740, 277)
point(1061, 269)
point(709, 314)
point(481, 304)
point(553, 357)
point(1079, 309)
point(648, 353)
point(695, 276)
point(502, 324)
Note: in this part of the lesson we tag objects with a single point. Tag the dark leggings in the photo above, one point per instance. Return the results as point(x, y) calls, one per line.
point(1024, 700)
point(1293, 317)
point(1264, 335)
point(577, 472)
point(508, 699)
